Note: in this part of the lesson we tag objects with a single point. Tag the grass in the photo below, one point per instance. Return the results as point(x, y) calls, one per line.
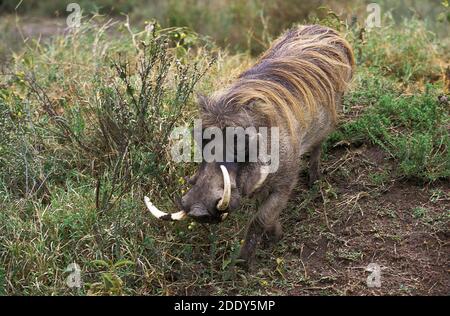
point(419, 212)
point(411, 129)
point(84, 119)
point(396, 52)
point(238, 25)
point(395, 109)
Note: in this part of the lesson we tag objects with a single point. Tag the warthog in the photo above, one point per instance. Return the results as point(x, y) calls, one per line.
point(297, 86)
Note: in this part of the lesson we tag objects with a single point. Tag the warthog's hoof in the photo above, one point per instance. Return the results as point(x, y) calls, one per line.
point(245, 260)
point(243, 264)
point(313, 178)
point(272, 236)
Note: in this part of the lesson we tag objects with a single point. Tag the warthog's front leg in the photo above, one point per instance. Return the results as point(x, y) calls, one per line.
point(265, 221)
point(314, 164)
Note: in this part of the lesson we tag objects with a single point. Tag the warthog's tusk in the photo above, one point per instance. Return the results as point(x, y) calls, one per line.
point(223, 216)
point(222, 205)
point(161, 215)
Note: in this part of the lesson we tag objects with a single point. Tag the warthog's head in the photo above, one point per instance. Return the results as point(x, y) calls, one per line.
point(216, 187)
point(216, 190)
point(213, 194)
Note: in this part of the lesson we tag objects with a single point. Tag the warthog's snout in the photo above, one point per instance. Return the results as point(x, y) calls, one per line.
point(207, 201)
point(201, 214)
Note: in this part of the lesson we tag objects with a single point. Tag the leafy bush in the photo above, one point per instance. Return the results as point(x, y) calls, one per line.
point(96, 139)
point(123, 130)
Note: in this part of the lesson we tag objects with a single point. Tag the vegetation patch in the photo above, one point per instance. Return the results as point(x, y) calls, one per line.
point(85, 119)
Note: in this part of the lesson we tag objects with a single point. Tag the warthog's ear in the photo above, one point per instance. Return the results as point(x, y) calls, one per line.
point(203, 102)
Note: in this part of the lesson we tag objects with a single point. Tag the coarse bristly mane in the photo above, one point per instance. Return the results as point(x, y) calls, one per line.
point(304, 69)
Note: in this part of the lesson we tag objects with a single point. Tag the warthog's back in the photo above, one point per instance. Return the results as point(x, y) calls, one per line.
point(301, 75)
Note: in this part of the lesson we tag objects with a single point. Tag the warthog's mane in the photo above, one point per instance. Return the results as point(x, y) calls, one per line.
point(303, 70)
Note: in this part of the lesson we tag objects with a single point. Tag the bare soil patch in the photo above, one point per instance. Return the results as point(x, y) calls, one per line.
point(359, 214)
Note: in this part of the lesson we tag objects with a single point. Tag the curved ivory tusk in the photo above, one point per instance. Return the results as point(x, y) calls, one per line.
point(222, 205)
point(161, 215)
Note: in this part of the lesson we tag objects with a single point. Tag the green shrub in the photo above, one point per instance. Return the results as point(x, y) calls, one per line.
point(119, 126)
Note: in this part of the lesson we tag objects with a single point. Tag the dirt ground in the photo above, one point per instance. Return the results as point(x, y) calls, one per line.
point(359, 215)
